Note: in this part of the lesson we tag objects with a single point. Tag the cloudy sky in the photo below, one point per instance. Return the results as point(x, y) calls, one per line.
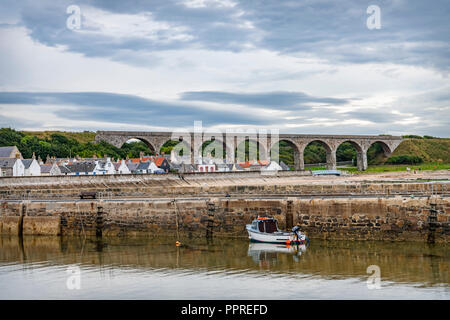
point(310, 66)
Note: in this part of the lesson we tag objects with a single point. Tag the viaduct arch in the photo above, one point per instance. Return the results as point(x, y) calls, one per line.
point(361, 143)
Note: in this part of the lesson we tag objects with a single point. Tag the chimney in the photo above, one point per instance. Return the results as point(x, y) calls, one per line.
point(141, 155)
point(33, 156)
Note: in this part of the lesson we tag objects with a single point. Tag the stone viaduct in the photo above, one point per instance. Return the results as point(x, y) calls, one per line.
point(266, 143)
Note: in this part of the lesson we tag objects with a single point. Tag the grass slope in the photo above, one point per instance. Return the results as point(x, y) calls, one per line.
point(430, 150)
point(82, 137)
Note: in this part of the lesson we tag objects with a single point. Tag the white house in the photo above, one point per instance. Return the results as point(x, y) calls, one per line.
point(121, 167)
point(50, 169)
point(147, 167)
point(104, 166)
point(272, 166)
point(152, 168)
point(18, 168)
point(12, 167)
point(32, 167)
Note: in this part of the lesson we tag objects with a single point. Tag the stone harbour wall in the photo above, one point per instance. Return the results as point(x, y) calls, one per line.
point(209, 185)
point(205, 190)
point(397, 218)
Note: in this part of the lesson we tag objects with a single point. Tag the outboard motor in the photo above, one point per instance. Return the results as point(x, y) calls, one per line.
point(297, 232)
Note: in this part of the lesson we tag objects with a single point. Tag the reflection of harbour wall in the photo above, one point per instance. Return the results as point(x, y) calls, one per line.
point(400, 262)
point(399, 218)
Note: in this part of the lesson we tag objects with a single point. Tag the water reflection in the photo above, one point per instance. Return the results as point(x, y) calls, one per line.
point(266, 254)
point(186, 272)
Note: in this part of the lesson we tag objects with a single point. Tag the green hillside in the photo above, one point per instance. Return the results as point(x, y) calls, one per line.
point(81, 137)
point(66, 144)
point(430, 150)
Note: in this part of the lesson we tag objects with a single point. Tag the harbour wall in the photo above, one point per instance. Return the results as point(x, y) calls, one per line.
point(215, 185)
point(383, 218)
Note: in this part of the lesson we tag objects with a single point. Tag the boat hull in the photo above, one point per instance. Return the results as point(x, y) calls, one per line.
point(276, 237)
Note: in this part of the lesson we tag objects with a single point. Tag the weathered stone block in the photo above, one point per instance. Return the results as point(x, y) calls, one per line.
point(42, 225)
point(10, 225)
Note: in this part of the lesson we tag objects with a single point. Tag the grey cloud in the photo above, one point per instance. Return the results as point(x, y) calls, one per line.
point(274, 100)
point(376, 117)
point(413, 32)
point(18, 98)
point(122, 108)
point(8, 122)
point(216, 28)
point(336, 30)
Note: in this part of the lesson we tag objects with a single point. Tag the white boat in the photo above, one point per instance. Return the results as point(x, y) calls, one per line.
point(265, 229)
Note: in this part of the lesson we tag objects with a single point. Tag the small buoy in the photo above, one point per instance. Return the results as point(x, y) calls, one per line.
point(288, 242)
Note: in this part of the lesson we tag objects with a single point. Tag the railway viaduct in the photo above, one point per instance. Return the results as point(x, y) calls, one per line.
point(266, 143)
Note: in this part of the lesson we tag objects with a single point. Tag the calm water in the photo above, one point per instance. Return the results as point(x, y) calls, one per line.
point(130, 268)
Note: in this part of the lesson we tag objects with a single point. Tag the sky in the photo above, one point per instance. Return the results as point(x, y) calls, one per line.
point(306, 67)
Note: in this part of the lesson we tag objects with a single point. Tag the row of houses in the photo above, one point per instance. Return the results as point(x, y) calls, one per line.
point(13, 164)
